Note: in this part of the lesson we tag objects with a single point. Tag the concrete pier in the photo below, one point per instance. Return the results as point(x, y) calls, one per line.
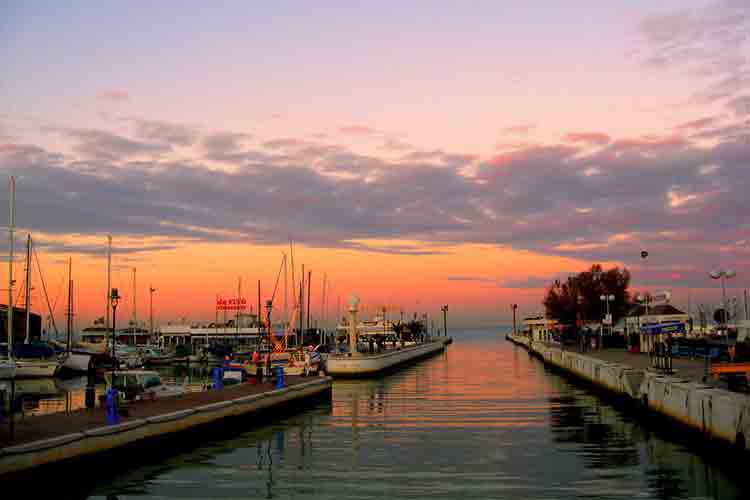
point(366, 365)
point(714, 412)
point(63, 436)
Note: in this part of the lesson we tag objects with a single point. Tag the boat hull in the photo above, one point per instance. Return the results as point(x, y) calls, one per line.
point(75, 362)
point(35, 368)
point(7, 370)
point(363, 365)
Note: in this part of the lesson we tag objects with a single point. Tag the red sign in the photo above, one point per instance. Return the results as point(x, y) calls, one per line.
point(233, 304)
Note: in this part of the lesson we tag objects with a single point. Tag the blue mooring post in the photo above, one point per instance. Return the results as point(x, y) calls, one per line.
point(279, 377)
point(112, 416)
point(218, 378)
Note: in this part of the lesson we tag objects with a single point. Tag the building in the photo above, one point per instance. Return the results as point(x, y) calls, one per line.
point(539, 328)
point(19, 325)
point(243, 332)
point(656, 314)
point(743, 330)
point(100, 335)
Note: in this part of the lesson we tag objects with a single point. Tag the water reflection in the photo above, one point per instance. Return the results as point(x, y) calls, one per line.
point(482, 420)
point(610, 441)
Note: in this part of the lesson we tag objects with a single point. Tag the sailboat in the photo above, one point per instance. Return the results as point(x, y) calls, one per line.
point(32, 360)
point(8, 365)
point(73, 363)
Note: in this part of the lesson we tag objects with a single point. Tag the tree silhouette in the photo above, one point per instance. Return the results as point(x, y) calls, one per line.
point(577, 300)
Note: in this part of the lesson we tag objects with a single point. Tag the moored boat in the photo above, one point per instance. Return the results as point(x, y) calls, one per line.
point(75, 362)
point(7, 369)
point(136, 385)
point(34, 360)
point(156, 357)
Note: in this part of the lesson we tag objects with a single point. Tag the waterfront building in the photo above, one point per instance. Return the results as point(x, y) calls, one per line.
point(19, 324)
point(656, 314)
point(743, 330)
point(539, 328)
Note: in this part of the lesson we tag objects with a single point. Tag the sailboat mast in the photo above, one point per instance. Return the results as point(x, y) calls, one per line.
point(237, 317)
point(11, 241)
point(70, 302)
point(301, 306)
point(323, 302)
point(135, 306)
point(286, 297)
point(28, 287)
point(309, 280)
point(109, 282)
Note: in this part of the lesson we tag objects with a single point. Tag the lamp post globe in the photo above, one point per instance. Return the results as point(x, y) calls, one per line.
point(114, 298)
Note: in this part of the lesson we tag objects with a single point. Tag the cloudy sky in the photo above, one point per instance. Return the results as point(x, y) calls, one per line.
point(438, 152)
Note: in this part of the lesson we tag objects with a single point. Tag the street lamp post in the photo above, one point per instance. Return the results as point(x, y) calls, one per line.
point(114, 298)
point(445, 320)
point(723, 275)
point(514, 307)
point(151, 291)
point(608, 318)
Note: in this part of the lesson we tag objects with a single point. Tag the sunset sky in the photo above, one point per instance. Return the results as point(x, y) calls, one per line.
point(461, 153)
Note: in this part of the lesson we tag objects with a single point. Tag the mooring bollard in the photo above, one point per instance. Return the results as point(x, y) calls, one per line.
point(279, 377)
point(90, 396)
point(112, 417)
point(218, 374)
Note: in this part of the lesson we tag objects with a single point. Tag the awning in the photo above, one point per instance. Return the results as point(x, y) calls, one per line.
point(663, 328)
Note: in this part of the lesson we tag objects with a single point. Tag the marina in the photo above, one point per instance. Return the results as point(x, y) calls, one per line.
point(480, 420)
point(368, 250)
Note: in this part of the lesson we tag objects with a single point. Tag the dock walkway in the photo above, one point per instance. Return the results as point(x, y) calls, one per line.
point(684, 368)
point(50, 438)
point(47, 426)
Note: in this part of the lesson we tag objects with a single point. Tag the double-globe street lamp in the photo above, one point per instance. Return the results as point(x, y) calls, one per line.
point(114, 298)
point(723, 275)
point(608, 318)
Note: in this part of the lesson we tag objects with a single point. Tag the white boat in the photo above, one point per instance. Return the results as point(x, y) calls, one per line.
point(142, 384)
point(377, 326)
point(35, 368)
point(75, 362)
point(7, 369)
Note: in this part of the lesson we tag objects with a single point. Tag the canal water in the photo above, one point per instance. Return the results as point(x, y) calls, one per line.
point(482, 420)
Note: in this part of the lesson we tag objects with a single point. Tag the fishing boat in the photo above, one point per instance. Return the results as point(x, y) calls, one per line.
point(74, 362)
point(33, 360)
point(136, 385)
point(155, 357)
point(7, 368)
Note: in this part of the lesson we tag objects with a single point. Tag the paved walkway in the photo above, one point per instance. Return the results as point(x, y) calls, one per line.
point(56, 424)
point(692, 369)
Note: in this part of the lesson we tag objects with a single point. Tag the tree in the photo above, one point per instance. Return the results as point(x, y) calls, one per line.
point(577, 300)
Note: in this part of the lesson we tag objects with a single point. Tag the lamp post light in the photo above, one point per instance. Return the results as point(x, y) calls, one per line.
point(723, 275)
point(269, 309)
point(445, 320)
point(608, 318)
point(151, 291)
point(114, 298)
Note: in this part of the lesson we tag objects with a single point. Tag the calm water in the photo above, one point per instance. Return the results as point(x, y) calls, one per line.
point(482, 420)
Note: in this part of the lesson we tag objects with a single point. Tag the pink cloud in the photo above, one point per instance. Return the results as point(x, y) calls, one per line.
point(358, 130)
point(595, 138)
point(117, 95)
point(696, 124)
point(519, 129)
